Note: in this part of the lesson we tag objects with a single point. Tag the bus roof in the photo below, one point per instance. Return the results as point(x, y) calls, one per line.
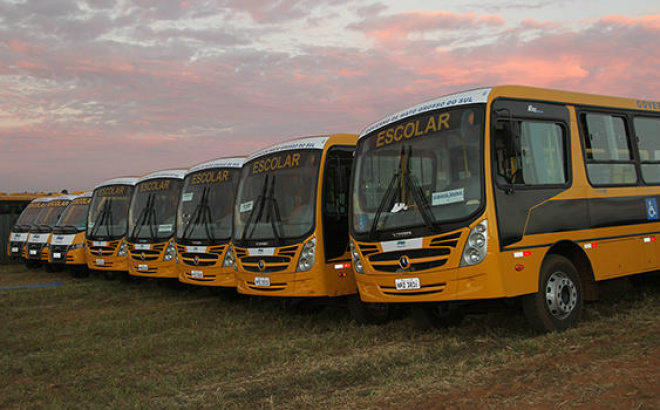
point(229, 162)
point(312, 142)
point(483, 95)
point(168, 173)
point(118, 181)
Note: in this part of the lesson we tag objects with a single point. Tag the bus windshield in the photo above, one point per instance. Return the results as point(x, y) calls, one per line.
point(152, 214)
point(108, 212)
point(276, 197)
point(207, 199)
point(424, 171)
point(29, 215)
point(51, 213)
point(75, 215)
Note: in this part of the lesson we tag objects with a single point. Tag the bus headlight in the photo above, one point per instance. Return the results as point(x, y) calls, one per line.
point(122, 248)
point(169, 252)
point(357, 263)
point(476, 245)
point(76, 246)
point(307, 256)
point(229, 258)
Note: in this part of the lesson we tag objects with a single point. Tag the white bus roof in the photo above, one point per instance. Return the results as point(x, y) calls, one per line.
point(168, 173)
point(479, 95)
point(317, 142)
point(118, 181)
point(229, 162)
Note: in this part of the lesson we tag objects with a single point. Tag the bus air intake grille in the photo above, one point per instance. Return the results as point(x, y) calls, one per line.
point(144, 255)
point(267, 269)
point(425, 290)
point(449, 241)
point(368, 249)
point(289, 251)
point(274, 287)
point(420, 259)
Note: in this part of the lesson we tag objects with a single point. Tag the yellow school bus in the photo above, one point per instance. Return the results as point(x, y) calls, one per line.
point(152, 224)
point(507, 193)
point(107, 226)
point(67, 242)
point(291, 223)
point(18, 235)
point(204, 223)
point(37, 246)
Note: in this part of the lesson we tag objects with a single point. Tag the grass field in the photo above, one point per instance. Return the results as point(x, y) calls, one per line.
point(96, 344)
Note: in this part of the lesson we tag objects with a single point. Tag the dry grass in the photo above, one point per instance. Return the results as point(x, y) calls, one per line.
point(97, 344)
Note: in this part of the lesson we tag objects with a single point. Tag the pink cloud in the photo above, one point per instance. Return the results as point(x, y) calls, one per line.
point(401, 25)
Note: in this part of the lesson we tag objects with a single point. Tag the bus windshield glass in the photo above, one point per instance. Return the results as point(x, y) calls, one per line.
point(108, 212)
point(75, 215)
point(276, 197)
point(424, 171)
point(152, 214)
point(29, 215)
point(205, 210)
point(51, 213)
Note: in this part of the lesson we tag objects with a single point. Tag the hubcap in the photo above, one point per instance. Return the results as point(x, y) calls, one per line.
point(561, 295)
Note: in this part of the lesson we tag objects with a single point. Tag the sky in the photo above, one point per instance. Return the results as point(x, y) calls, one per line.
point(98, 89)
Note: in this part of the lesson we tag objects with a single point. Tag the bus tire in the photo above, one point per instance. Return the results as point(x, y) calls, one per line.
point(557, 306)
point(436, 317)
point(368, 313)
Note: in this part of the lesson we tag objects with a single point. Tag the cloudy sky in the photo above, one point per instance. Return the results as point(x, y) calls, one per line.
point(92, 90)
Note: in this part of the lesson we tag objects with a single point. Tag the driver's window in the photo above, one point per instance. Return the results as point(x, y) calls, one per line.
point(530, 153)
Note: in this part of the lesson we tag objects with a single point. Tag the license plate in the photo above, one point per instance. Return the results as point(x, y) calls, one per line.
point(197, 274)
point(143, 267)
point(100, 261)
point(33, 252)
point(407, 283)
point(57, 255)
point(262, 282)
point(14, 250)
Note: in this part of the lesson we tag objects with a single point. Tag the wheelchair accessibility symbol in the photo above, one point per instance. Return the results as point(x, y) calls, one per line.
point(652, 209)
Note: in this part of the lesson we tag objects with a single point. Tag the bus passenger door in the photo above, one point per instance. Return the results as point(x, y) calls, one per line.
point(531, 166)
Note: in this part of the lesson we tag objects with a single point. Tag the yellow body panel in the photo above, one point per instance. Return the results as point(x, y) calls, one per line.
point(205, 268)
point(146, 260)
point(102, 256)
point(72, 254)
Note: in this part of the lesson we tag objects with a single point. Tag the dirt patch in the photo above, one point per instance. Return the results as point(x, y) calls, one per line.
point(580, 381)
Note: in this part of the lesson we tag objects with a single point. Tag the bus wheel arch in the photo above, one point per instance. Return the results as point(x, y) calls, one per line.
point(565, 280)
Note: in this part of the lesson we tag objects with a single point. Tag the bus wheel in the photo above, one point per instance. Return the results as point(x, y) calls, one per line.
point(436, 317)
point(368, 313)
point(557, 305)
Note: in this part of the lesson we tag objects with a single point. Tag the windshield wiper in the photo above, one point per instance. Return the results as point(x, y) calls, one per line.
point(145, 216)
point(411, 186)
point(260, 204)
point(201, 215)
point(266, 201)
point(274, 213)
point(104, 218)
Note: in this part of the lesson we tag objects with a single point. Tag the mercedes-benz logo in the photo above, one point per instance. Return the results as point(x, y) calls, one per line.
point(404, 262)
point(262, 265)
point(196, 260)
point(142, 255)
